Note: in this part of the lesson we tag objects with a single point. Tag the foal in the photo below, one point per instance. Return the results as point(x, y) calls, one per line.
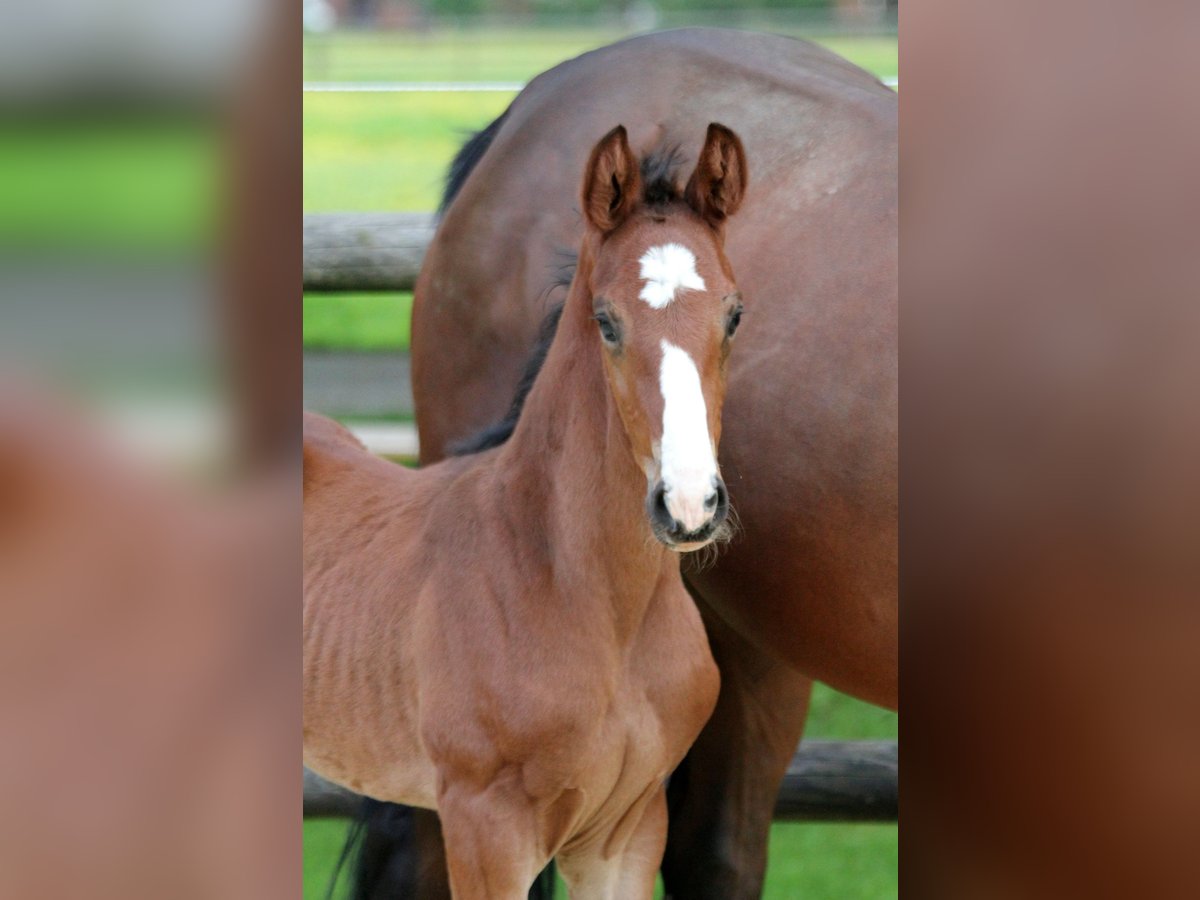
point(505, 637)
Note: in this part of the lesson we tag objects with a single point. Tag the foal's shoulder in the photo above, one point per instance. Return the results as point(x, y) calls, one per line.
point(323, 433)
point(330, 449)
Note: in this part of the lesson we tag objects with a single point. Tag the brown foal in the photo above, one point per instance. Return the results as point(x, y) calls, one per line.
point(505, 637)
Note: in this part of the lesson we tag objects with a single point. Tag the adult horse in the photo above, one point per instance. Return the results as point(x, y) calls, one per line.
point(482, 636)
point(809, 446)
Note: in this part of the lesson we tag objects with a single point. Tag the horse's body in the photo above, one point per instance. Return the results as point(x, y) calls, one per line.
point(505, 637)
point(420, 670)
point(810, 587)
point(812, 394)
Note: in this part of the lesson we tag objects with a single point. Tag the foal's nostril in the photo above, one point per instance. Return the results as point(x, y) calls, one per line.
point(721, 501)
point(715, 504)
point(658, 508)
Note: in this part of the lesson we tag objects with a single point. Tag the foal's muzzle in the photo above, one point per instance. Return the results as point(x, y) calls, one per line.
point(674, 533)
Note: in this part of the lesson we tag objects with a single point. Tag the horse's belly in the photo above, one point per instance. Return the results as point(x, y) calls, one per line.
point(403, 774)
point(360, 709)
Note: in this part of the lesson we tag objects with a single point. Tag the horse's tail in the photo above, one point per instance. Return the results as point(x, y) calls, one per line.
point(397, 853)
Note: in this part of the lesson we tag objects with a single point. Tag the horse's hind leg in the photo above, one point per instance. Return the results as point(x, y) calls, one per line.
point(492, 842)
point(400, 854)
point(722, 796)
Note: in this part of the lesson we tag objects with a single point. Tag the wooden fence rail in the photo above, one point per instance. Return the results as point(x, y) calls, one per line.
point(364, 251)
point(827, 781)
point(841, 781)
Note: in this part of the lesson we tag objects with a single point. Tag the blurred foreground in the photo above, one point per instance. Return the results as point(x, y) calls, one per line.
point(1050, 431)
point(149, 517)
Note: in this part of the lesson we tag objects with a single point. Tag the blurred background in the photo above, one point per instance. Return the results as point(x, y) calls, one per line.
point(392, 88)
point(149, 521)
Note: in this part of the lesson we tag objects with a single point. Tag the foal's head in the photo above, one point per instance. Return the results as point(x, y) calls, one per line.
point(666, 309)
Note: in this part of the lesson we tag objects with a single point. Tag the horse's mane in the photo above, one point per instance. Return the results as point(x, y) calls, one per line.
point(659, 169)
point(466, 159)
point(659, 187)
point(499, 432)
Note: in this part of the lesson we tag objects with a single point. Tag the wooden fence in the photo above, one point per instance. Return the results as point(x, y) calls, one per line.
point(364, 251)
point(827, 781)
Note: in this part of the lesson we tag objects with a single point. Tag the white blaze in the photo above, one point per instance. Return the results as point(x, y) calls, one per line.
point(689, 469)
point(666, 269)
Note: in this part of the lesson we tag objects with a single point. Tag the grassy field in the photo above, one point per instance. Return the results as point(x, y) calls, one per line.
point(515, 54)
point(379, 152)
point(357, 321)
point(375, 152)
point(147, 183)
point(389, 151)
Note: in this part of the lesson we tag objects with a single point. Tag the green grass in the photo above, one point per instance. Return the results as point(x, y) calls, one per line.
point(376, 152)
point(141, 183)
point(323, 841)
point(357, 321)
point(878, 55)
point(813, 862)
point(446, 55)
point(832, 862)
point(810, 861)
point(504, 55)
point(834, 716)
point(373, 152)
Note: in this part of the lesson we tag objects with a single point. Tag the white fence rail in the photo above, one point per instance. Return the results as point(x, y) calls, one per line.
point(412, 87)
point(436, 87)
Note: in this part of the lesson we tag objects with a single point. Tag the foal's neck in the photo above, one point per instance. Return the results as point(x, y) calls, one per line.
point(570, 455)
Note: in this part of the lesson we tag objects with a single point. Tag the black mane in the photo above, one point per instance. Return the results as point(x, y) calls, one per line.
point(496, 434)
point(466, 159)
point(658, 176)
point(658, 168)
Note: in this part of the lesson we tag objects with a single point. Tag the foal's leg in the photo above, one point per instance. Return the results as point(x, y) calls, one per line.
point(643, 856)
point(411, 862)
point(603, 872)
point(722, 796)
point(493, 845)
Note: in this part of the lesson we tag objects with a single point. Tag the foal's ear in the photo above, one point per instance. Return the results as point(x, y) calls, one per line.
point(718, 185)
point(612, 183)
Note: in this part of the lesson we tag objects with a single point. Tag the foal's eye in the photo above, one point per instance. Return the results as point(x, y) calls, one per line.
point(608, 331)
point(734, 321)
